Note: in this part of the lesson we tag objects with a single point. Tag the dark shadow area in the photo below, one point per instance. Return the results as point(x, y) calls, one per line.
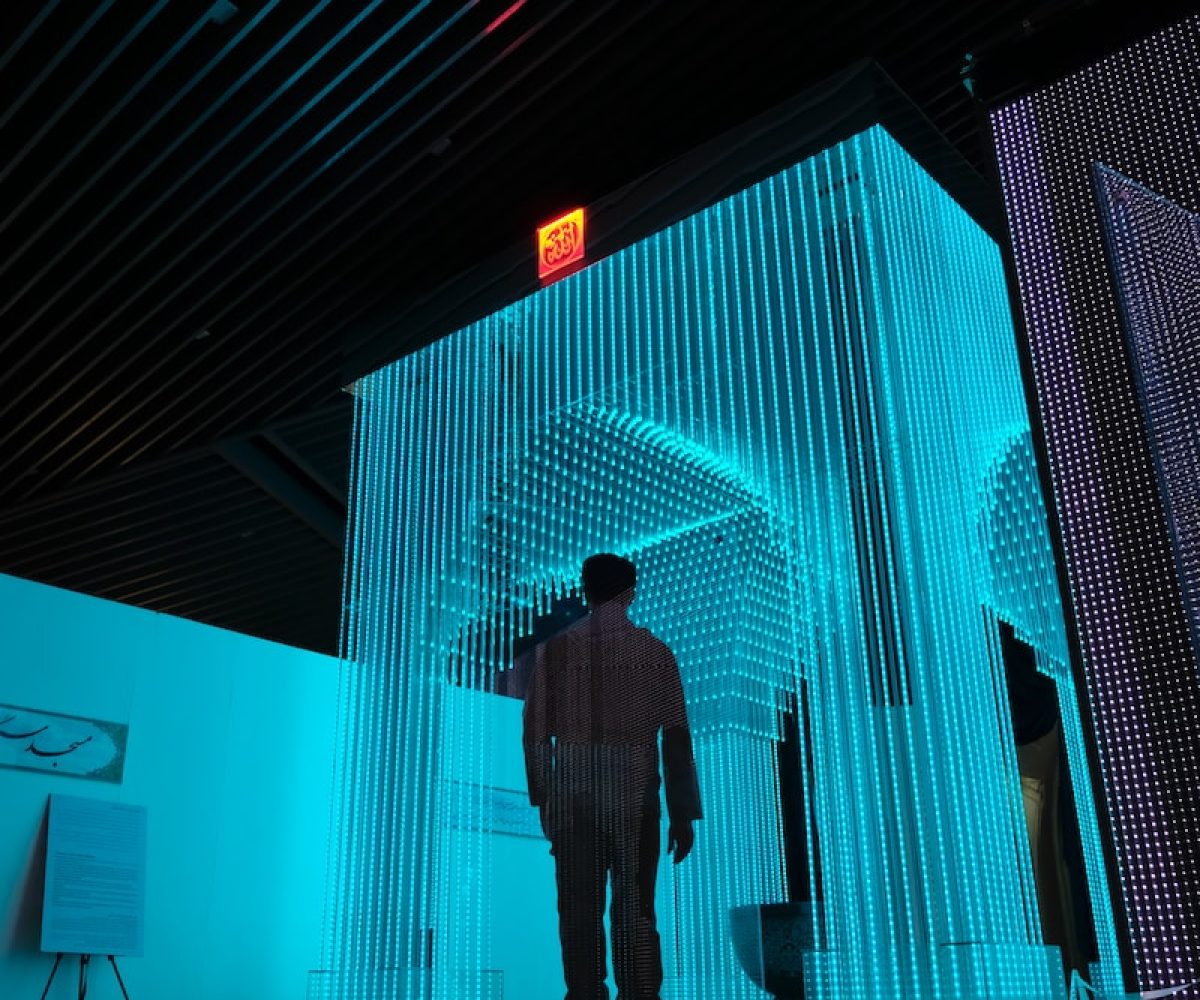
point(1063, 898)
point(796, 776)
point(512, 679)
point(25, 905)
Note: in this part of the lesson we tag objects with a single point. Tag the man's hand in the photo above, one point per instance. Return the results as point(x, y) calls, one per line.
point(680, 839)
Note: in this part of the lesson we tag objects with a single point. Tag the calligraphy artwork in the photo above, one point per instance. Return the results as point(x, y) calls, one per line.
point(560, 244)
point(35, 740)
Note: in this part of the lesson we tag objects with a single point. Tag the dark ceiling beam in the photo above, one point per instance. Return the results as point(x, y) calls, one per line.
point(127, 263)
point(271, 470)
point(222, 580)
point(14, 102)
point(1063, 37)
point(49, 176)
point(289, 398)
point(310, 472)
point(130, 480)
point(108, 521)
point(135, 488)
point(320, 282)
point(130, 183)
point(226, 177)
point(310, 582)
point(157, 544)
point(17, 43)
point(15, 156)
point(254, 579)
point(319, 279)
point(145, 209)
point(261, 376)
point(240, 601)
point(843, 105)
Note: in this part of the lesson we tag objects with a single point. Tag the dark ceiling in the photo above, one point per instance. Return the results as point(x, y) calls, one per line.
point(201, 203)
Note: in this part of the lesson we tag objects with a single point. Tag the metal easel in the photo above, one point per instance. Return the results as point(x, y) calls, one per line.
point(84, 961)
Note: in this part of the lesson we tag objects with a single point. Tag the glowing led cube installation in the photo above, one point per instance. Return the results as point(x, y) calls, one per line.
point(799, 411)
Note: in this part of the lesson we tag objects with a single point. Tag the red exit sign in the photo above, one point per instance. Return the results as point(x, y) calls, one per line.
point(560, 243)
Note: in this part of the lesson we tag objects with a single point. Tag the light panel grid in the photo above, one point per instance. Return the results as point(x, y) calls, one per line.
point(1135, 113)
point(1154, 246)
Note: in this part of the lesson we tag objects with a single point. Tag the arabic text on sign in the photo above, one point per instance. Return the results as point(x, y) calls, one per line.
point(560, 243)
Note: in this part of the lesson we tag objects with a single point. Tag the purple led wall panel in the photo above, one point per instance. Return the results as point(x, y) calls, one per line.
point(1154, 247)
point(1135, 112)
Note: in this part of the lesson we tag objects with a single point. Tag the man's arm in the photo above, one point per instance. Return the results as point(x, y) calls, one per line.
point(679, 765)
point(539, 754)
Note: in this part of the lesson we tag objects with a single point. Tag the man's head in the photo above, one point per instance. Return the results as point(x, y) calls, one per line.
point(607, 577)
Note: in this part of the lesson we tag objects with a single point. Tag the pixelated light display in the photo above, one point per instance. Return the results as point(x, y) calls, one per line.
point(1134, 114)
point(1155, 249)
point(799, 412)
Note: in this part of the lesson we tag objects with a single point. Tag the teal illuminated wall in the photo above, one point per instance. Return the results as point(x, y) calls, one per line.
point(799, 412)
point(230, 739)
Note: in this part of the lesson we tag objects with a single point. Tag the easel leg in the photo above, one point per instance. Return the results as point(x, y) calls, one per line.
point(117, 973)
point(83, 964)
point(53, 972)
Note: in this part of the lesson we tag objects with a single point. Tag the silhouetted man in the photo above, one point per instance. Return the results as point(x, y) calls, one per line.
point(601, 691)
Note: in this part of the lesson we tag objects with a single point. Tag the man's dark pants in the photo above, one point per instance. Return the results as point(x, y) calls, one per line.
point(589, 847)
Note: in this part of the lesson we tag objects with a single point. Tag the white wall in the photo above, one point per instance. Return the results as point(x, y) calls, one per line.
point(230, 749)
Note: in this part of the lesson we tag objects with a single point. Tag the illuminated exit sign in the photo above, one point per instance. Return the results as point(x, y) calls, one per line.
point(560, 243)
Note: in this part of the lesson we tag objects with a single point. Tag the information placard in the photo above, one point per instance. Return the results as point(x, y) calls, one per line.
point(94, 898)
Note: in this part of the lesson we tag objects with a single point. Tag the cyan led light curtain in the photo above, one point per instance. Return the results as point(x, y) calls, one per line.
point(799, 412)
point(1134, 113)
